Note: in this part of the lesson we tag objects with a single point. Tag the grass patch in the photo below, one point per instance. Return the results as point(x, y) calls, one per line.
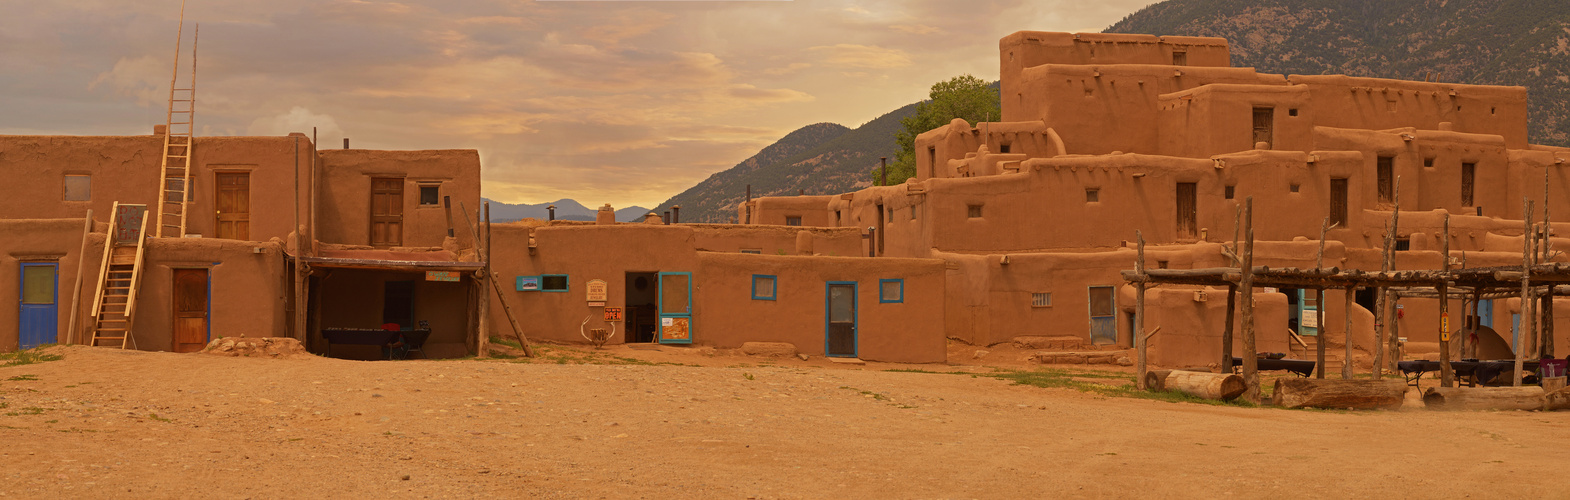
point(569, 356)
point(31, 410)
point(1065, 379)
point(19, 378)
point(155, 416)
point(28, 357)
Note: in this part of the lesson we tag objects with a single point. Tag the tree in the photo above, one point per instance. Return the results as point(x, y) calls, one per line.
point(963, 96)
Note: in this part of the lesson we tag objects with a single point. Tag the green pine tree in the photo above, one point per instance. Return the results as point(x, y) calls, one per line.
point(963, 96)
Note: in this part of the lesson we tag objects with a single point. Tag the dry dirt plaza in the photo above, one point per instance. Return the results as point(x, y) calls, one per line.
point(676, 422)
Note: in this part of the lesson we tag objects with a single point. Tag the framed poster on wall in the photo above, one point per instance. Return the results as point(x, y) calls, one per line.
point(528, 283)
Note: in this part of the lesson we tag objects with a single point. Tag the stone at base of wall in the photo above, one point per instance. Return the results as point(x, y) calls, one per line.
point(258, 347)
point(770, 349)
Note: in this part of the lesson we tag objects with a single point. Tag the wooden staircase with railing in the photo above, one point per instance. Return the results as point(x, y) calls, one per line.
point(114, 306)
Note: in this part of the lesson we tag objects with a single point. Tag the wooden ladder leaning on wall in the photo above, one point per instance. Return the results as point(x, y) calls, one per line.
point(174, 181)
point(120, 275)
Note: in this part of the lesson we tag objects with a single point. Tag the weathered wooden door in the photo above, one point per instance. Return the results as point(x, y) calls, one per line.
point(190, 310)
point(233, 202)
point(386, 212)
point(1103, 317)
point(675, 308)
point(1187, 209)
point(1265, 126)
point(840, 336)
point(39, 319)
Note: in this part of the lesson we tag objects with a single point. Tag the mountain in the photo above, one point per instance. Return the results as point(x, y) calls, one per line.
point(565, 210)
point(822, 158)
point(1493, 42)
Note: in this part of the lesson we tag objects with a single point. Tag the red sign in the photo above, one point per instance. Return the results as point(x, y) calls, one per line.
point(613, 314)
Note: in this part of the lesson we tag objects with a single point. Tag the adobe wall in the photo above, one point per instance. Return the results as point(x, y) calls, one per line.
point(941, 151)
point(725, 315)
point(1219, 118)
point(905, 232)
point(1046, 207)
point(776, 240)
point(57, 241)
point(1380, 104)
point(721, 284)
point(1102, 109)
point(774, 210)
point(346, 176)
point(1027, 49)
point(126, 169)
point(354, 298)
point(1191, 330)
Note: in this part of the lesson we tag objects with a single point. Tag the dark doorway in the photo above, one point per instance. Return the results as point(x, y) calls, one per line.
point(1365, 297)
point(1385, 173)
point(1265, 126)
point(398, 303)
point(840, 336)
point(1187, 209)
point(642, 312)
point(1294, 308)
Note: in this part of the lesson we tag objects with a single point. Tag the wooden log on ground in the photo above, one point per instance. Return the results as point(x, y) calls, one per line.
point(1218, 386)
point(1156, 380)
point(1484, 398)
point(1366, 394)
point(1556, 400)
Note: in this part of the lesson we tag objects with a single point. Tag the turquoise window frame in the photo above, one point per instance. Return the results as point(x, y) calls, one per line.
point(900, 300)
point(774, 291)
point(565, 281)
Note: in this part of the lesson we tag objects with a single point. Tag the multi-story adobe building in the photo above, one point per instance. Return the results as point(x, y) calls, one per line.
point(1103, 135)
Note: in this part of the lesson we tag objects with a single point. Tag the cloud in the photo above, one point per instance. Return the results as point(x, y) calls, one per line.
point(297, 119)
point(143, 78)
point(788, 69)
point(917, 29)
point(862, 56)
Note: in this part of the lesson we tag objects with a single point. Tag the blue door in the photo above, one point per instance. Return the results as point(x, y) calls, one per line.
point(840, 320)
point(675, 308)
point(1103, 317)
point(40, 313)
point(1307, 312)
point(1515, 330)
point(1485, 313)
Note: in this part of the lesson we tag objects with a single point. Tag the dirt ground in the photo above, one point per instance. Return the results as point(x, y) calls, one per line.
point(105, 423)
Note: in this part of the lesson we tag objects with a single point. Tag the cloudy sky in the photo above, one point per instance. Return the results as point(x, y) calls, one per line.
point(621, 102)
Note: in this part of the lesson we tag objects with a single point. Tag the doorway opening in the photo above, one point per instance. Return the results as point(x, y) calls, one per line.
point(642, 309)
point(398, 303)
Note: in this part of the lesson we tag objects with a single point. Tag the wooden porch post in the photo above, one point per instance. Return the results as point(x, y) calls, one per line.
point(1139, 313)
point(1250, 364)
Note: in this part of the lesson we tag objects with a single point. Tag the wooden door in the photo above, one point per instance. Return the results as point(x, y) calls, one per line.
point(1103, 319)
point(1187, 209)
point(1265, 126)
point(190, 310)
point(840, 318)
point(233, 202)
point(40, 315)
point(386, 212)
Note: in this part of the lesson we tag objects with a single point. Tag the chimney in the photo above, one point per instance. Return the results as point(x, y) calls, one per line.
point(606, 216)
point(675, 214)
point(667, 217)
point(552, 213)
point(346, 143)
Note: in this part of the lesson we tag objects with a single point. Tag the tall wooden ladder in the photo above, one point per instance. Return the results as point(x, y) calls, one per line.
point(179, 132)
point(114, 306)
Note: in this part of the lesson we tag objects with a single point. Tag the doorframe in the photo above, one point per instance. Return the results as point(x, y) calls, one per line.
point(217, 195)
point(21, 289)
point(1091, 314)
point(855, 317)
point(659, 309)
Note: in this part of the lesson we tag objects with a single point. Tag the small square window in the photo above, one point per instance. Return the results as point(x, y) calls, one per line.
point(793, 221)
point(430, 195)
point(1003, 148)
point(1295, 187)
point(1092, 195)
point(891, 291)
point(1041, 299)
point(553, 282)
point(973, 211)
point(1161, 264)
point(1428, 163)
point(1230, 191)
point(763, 287)
point(1292, 112)
point(78, 188)
point(755, 251)
point(1403, 244)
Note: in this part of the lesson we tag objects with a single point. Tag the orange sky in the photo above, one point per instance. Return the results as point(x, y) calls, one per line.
point(621, 102)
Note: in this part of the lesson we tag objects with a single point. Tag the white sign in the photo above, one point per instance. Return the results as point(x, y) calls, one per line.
point(667, 321)
point(1310, 319)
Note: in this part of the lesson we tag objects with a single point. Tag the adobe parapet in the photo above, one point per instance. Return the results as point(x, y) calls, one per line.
point(1027, 49)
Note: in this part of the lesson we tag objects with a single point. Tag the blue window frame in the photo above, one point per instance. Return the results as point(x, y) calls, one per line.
point(891, 291)
point(765, 287)
point(553, 283)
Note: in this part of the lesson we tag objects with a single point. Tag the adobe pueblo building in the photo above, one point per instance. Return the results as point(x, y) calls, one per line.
point(1035, 216)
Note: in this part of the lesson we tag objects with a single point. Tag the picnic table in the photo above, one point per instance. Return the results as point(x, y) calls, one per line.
point(411, 339)
point(1302, 367)
point(1475, 371)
